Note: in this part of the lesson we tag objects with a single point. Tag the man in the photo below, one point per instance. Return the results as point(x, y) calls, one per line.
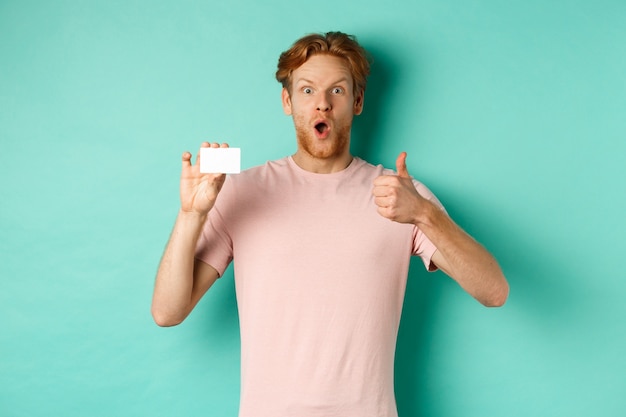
point(321, 243)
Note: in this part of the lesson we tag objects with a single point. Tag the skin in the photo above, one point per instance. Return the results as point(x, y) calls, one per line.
point(457, 254)
point(322, 90)
point(181, 280)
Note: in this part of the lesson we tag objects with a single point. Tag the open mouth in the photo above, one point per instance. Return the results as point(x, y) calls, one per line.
point(321, 128)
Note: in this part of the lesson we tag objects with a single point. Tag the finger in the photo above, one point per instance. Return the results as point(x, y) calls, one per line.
point(380, 191)
point(186, 159)
point(382, 202)
point(385, 180)
point(209, 145)
point(384, 211)
point(401, 166)
point(202, 145)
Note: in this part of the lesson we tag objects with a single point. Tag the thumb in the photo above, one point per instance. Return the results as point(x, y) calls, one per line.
point(401, 166)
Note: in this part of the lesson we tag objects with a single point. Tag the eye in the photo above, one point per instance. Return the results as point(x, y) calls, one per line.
point(337, 90)
point(307, 90)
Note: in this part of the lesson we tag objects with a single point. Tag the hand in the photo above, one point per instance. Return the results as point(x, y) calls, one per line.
point(396, 196)
point(199, 191)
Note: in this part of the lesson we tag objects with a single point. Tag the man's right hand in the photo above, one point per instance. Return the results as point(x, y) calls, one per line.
point(199, 191)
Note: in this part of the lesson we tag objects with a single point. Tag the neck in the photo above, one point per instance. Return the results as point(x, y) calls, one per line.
point(322, 165)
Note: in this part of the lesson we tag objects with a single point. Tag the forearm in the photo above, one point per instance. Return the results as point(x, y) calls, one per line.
point(172, 299)
point(457, 254)
point(462, 258)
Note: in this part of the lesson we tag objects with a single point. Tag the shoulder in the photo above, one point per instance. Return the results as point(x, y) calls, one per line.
point(421, 188)
point(366, 169)
point(375, 168)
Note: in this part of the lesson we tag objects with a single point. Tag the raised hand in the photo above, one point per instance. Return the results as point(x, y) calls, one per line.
point(396, 196)
point(199, 191)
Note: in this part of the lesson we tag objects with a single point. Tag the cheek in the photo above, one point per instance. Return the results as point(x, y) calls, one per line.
point(348, 111)
point(296, 107)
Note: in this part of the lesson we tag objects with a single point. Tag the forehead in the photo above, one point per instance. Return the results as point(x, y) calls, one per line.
point(323, 69)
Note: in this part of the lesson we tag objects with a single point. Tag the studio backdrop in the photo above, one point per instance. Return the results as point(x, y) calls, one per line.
point(513, 113)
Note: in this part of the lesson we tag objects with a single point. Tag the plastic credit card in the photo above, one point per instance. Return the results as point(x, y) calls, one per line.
point(220, 160)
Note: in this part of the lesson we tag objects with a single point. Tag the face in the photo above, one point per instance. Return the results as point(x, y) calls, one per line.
point(322, 102)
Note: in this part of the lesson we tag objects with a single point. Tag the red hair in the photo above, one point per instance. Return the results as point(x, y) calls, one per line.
point(336, 44)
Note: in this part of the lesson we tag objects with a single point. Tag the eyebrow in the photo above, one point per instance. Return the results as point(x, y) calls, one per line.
point(307, 81)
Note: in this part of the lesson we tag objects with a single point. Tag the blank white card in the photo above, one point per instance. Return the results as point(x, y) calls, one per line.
point(220, 160)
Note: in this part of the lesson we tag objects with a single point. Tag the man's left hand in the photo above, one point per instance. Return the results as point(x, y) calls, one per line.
point(396, 196)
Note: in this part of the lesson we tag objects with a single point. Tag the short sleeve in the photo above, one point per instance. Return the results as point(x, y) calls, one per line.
point(422, 245)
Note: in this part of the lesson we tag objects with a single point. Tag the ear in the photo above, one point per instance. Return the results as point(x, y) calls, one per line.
point(358, 103)
point(286, 99)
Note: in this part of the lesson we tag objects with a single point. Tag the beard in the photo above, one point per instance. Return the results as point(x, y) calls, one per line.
point(333, 146)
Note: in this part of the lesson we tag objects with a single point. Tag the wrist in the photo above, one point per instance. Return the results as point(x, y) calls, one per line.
point(428, 215)
point(192, 217)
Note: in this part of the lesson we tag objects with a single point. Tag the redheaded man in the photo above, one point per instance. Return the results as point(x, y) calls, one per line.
point(321, 242)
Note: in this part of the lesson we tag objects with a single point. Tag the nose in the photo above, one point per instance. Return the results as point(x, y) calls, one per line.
point(323, 104)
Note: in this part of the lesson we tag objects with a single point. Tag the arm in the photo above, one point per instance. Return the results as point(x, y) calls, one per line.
point(181, 279)
point(457, 254)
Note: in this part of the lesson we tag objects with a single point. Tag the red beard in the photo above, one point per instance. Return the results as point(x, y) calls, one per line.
point(334, 145)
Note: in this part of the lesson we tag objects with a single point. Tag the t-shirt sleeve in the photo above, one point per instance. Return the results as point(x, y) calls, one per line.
point(422, 246)
point(215, 246)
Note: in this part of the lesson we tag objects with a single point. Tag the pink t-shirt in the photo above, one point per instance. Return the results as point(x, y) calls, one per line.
point(320, 279)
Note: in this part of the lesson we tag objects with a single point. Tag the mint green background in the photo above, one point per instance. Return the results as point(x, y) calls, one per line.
point(514, 113)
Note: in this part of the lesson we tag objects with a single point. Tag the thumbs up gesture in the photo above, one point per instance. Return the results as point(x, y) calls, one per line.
point(396, 196)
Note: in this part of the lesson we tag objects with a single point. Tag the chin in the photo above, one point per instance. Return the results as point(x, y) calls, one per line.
point(333, 150)
point(332, 147)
